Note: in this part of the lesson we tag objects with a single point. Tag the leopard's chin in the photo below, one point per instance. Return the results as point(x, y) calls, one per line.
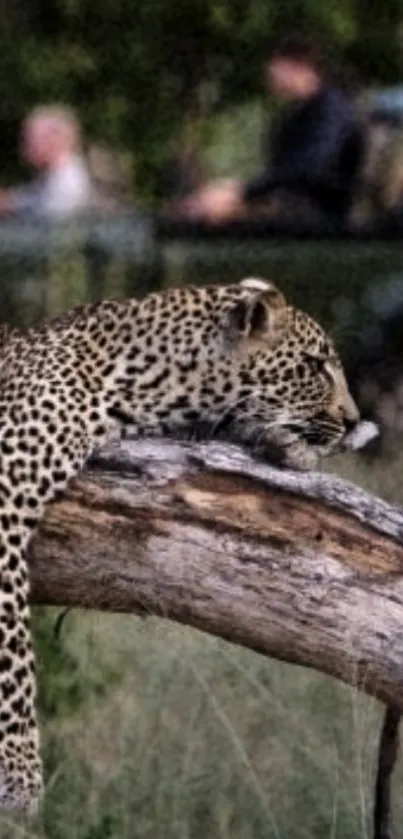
point(364, 432)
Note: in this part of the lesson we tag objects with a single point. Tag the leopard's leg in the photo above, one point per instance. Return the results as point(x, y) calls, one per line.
point(26, 486)
point(20, 763)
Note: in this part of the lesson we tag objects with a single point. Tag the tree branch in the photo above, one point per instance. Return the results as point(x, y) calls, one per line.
point(303, 567)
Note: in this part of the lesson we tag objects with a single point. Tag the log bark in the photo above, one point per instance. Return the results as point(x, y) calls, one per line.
point(306, 568)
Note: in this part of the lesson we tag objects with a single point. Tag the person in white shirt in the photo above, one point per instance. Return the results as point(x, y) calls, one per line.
point(51, 144)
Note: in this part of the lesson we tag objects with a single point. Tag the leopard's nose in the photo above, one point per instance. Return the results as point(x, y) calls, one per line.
point(350, 423)
point(350, 413)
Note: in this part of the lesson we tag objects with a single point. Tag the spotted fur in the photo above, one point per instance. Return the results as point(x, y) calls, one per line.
point(233, 360)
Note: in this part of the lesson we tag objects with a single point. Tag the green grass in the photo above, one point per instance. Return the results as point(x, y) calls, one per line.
point(196, 738)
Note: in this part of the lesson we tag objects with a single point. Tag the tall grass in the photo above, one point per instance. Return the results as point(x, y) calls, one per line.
point(194, 738)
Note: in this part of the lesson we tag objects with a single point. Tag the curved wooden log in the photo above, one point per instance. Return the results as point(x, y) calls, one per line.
point(303, 567)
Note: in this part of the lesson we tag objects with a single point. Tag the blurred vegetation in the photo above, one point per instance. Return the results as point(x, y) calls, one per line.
point(143, 75)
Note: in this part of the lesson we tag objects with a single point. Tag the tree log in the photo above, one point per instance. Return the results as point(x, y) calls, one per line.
point(304, 567)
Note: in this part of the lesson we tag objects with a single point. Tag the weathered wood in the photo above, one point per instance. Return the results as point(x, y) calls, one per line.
point(303, 567)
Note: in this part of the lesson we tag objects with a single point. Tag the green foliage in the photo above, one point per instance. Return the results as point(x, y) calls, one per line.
point(139, 72)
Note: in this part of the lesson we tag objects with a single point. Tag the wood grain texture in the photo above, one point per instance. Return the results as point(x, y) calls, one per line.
point(303, 567)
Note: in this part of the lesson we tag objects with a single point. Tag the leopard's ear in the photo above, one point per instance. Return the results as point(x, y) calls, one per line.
point(259, 313)
point(259, 284)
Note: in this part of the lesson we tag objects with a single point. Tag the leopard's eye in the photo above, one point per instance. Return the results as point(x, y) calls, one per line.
point(316, 363)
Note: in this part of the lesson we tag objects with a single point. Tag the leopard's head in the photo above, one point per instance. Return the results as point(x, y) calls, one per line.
point(293, 400)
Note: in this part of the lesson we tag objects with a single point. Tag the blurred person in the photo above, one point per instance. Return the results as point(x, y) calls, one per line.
point(51, 144)
point(312, 156)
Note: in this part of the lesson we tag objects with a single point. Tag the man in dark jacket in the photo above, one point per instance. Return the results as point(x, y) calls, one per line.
point(314, 152)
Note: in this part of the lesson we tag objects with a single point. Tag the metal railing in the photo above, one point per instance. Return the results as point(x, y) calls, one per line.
point(47, 268)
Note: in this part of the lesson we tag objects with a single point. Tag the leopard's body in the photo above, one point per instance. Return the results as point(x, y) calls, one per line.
point(235, 360)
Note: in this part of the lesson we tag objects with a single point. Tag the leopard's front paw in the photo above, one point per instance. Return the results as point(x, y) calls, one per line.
point(300, 456)
point(284, 448)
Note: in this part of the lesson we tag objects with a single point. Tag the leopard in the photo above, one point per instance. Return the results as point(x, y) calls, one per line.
point(234, 361)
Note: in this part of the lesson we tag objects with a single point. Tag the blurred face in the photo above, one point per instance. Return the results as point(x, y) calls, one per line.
point(36, 143)
point(45, 140)
point(291, 79)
